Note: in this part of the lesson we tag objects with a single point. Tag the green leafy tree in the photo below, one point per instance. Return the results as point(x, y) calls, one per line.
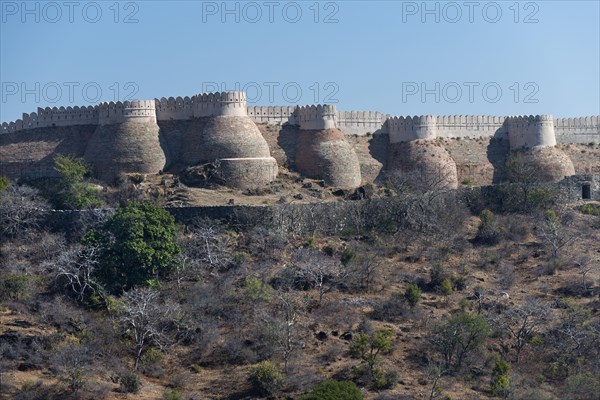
point(461, 335)
point(138, 243)
point(412, 294)
point(369, 347)
point(334, 390)
point(74, 192)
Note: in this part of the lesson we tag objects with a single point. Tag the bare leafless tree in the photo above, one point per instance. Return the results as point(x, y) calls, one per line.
point(555, 232)
point(73, 362)
point(205, 244)
point(318, 269)
point(21, 210)
point(585, 265)
point(523, 322)
point(147, 319)
point(75, 267)
point(283, 325)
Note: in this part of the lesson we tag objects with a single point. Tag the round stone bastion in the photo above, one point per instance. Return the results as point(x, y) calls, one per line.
point(126, 147)
point(245, 173)
point(425, 160)
point(210, 138)
point(550, 163)
point(325, 154)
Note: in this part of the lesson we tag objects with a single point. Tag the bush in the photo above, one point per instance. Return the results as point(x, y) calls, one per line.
point(581, 387)
point(258, 290)
point(391, 310)
point(590, 209)
point(446, 288)
point(412, 294)
point(74, 191)
point(4, 183)
point(501, 378)
point(151, 363)
point(130, 383)
point(489, 231)
point(384, 379)
point(468, 182)
point(334, 390)
point(172, 394)
point(347, 256)
point(265, 378)
point(462, 335)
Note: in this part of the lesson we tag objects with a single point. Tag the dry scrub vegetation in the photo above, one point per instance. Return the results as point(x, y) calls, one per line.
point(443, 302)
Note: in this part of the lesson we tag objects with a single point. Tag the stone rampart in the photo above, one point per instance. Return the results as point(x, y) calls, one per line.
point(272, 115)
point(220, 104)
point(128, 111)
point(361, 122)
point(577, 130)
point(531, 131)
point(319, 117)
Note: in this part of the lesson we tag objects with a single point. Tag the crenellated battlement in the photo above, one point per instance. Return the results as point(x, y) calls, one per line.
point(130, 111)
point(531, 131)
point(272, 115)
point(220, 103)
point(401, 129)
point(316, 117)
point(174, 108)
point(523, 131)
point(361, 122)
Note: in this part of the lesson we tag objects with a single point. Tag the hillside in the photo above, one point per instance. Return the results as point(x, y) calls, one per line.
point(524, 283)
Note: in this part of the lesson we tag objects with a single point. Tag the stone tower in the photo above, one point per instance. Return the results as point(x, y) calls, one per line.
point(126, 140)
point(322, 151)
point(221, 132)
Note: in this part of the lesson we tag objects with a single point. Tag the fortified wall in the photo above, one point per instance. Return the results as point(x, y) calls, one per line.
point(248, 143)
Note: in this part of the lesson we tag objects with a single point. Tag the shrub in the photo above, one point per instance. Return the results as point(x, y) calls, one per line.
point(446, 288)
point(4, 183)
point(130, 383)
point(334, 390)
point(14, 287)
point(391, 310)
point(369, 347)
point(501, 378)
point(347, 255)
point(412, 294)
point(468, 182)
point(489, 231)
point(151, 363)
point(240, 257)
point(172, 394)
point(258, 290)
point(265, 378)
point(384, 379)
point(581, 387)
point(74, 191)
point(590, 209)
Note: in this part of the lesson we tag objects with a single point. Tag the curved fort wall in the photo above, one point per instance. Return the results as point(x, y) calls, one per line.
point(220, 126)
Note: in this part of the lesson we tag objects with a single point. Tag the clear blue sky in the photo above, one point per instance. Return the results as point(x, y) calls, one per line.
point(544, 56)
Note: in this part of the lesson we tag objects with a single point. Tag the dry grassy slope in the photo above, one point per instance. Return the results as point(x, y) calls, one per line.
point(342, 312)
